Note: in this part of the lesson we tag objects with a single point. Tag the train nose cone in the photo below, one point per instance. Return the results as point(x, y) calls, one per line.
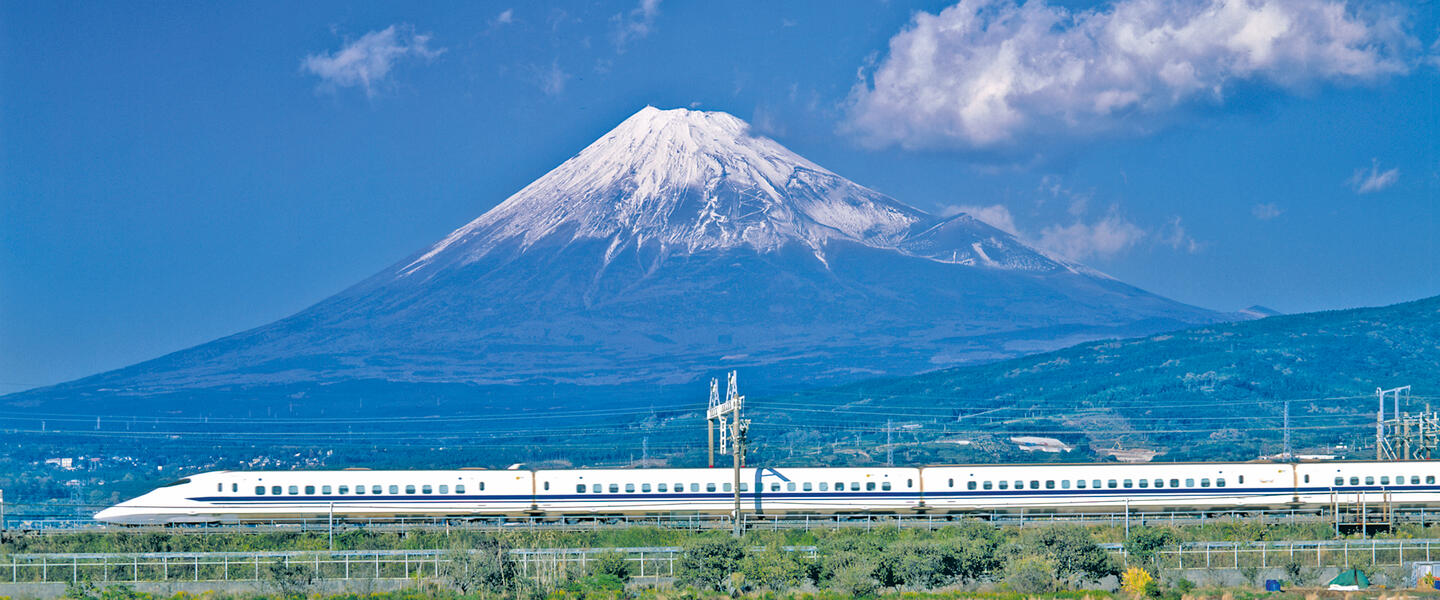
point(109, 515)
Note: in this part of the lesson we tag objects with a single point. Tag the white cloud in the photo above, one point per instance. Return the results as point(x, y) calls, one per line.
point(1107, 237)
point(1266, 211)
point(636, 24)
point(551, 79)
point(366, 62)
point(994, 215)
point(505, 17)
point(1365, 181)
point(986, 74)
point(1175, 236)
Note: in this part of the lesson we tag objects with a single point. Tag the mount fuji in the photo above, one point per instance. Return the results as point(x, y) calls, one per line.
point(678, 244)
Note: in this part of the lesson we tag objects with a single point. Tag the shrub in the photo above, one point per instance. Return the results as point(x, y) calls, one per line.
point(1031, 574)
point(1145, 543)
point(855, 580)
point(1137, 582)
point(1072, 550)
point(290, 580)
point(773, 569)
point(612, 564)
point(488, 567)
point(708, 563)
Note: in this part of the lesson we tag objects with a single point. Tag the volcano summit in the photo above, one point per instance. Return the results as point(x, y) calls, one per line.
point(677, 244)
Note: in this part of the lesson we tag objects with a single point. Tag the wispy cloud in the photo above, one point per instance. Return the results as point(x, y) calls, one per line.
point(636, 24)
point(1110, 235)
point(1365, 181)
point(505, 17)
point(995, 74)
point(366, 62)
point(994, 215)
point(551, 79)
point(1175, 236)
point(1266, 211)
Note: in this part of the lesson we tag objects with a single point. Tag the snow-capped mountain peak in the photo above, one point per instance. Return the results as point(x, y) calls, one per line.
point(688, 180)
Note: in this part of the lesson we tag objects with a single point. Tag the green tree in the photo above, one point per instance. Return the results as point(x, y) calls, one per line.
point(707, 563)
point(290, 580)
point(612, 564)
point(487, 567)
point(774, 569)
point(1031, 574)
point(1072, 550)
point(1145, 543)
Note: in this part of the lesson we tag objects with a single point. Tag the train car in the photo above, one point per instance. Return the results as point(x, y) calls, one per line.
point(1403, 484)
point(762, 491)
point(1107, 487)
point(236, 496)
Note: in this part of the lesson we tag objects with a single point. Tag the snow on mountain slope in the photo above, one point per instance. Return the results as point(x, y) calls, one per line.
point(677, 244)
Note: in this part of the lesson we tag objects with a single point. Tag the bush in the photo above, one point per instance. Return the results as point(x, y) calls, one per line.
point(1072, 550)
point(1138, 582)
point(488, 567)
point(708, 563)
point(855, 580)
point(290, 580)
point(774, 569)
point(1031, 574)
point(612, 564)
point(1145, 543)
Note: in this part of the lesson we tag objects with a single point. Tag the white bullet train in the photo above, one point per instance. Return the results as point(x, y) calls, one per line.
point(252, 496)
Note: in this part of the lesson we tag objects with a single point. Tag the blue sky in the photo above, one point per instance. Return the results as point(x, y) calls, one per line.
point(175, 172)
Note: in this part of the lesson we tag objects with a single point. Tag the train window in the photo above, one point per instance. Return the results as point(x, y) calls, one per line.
point(259, 490)
point(1307, 479)
point(1205, 482)
point(1339, 481)
point(595, 488)
point(294, 490)
point(309, 490)
point(710, 487)
point(854, 486)
point(645, 487)
point(1095, 483)
point(1004, 485)
point(344, 490)
point(726, 487)
point(445, 488)
point(952, 482)
point(970, 485)
point(1064, 484)
point(744, 487)
point(986, 485)
point(663, 487)
point(579, 488)
point(375, 489)
point(1034, 484)
point(1019, 485)
point(360, 489)
point(869, 486)
point(807, 486)
point(790, 487)
point(1241, 479)
point(1354, 481)
point(1049, 484)
point(1219, 482)
point(824, 486)
point(839, 486)
point(234, 487)
point(694, 487)
point(219, 487)
point(629, 488)
point(274, 490)
point(1144, 483)
point(327, 490)
point(909, 483)
point(460, 487)
point(1414, 480)
point(614, 488)
point(775, 486)
point(1080, 483)
point(885, 486)
point(1129, 484)
point(1384, 480)
point(1429, 479)
point(1189, 483)
point(1112, 483)
point(409, 489)
point(425, 489)
point(482, 487)
point(1369, 480)
point(1159, 483)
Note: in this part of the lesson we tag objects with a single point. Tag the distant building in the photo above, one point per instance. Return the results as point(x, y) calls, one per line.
point(65, 463)
point(1031, 443)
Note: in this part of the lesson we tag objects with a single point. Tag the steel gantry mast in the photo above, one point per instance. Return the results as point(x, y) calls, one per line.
point(733, 430)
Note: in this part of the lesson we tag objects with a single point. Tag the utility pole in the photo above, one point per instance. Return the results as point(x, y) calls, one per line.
point(733, 430)
point(889, 449)
point(710, 420)
point(1289, 453)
